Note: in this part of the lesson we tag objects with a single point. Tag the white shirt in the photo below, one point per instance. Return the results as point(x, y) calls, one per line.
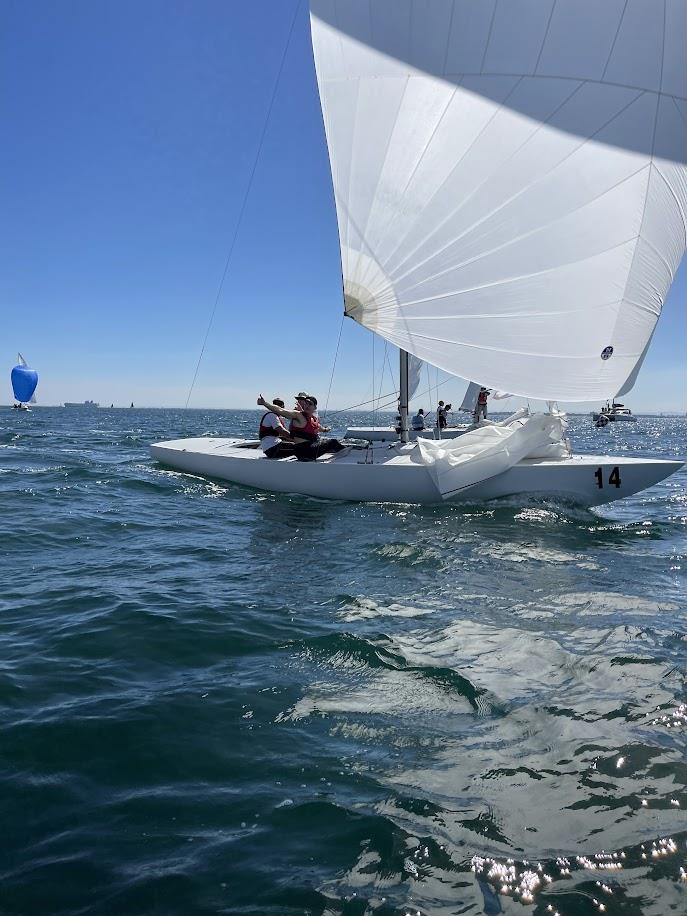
point(273, 421)
point(418, 421)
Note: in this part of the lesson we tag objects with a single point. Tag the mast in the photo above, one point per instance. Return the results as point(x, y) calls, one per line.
point(403, 395)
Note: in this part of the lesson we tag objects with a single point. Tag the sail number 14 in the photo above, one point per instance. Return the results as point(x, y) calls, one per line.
point(613, 477)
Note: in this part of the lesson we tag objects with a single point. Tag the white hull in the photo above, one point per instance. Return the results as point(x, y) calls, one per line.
point(616, 418)
point(394, 474)
point(389, 434)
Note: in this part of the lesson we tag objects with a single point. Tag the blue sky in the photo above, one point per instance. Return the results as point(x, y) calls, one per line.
point(130, 130)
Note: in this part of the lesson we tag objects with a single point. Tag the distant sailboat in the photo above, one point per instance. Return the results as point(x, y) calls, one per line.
point(24, 381)
point(511, 200)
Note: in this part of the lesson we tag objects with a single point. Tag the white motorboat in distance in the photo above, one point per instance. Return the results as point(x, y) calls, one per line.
point(613, 413)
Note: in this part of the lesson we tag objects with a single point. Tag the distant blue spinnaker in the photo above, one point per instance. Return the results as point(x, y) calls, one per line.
point(24, 381)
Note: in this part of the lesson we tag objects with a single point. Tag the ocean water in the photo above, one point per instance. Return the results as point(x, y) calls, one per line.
point(215, 700)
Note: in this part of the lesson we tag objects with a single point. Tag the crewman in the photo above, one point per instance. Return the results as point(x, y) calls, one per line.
point(481, 405)
point(305, 428)
point(418, 421)
point(275, 439)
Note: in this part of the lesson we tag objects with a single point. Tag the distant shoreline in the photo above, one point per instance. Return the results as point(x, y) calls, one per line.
point(339, 410)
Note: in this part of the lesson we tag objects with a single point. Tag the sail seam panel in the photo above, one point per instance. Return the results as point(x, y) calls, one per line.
point(530, 234)
point(451, 77)
point(516, 316)
point(383, 164)
point(423, 154)
point(481, 72)
point(615, 39)
point(678, 109)
point(499, 315)
point(441, 187)
point(658, 254)
point(484, 347)
point(648, 184)
point(642, 306)
point(448, 38)
point(536, 180)
point(521, 277)
point(333, 168)
point(489, 33)
point(678, 203)
point(546, 35)
point(351, 171)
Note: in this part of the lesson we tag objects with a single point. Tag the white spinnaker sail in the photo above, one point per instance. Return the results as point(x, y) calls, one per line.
point(510, 180)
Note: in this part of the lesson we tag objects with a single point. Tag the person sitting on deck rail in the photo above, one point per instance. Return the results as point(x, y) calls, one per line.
point(305, 428)
point(275, 439)
point(418, 421)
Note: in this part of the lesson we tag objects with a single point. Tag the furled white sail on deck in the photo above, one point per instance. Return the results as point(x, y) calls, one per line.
point(510, 180)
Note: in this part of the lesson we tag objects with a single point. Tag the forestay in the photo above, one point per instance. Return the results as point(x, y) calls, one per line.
point(510, 180)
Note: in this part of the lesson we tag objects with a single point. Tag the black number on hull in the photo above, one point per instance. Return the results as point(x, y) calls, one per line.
point(613, 480)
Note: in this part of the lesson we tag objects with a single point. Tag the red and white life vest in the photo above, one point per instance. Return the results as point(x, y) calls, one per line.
point(310, 432)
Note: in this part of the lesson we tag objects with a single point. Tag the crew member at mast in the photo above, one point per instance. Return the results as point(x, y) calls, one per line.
point(418, 421)
point(481, 405)
point(275, 439)
point(441, 416)
point(305, 428)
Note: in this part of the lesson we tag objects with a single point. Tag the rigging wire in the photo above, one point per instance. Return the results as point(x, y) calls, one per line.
point(331, 377)
point(385, 360)
point(245, 199)
point(391, 371)
point(393, 395)
point(374, 402)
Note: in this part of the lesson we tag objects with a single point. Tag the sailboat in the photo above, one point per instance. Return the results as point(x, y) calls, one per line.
point(24, 381)
point(511, 188)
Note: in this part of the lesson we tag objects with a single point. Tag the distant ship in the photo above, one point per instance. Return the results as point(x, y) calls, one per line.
point(81, 404)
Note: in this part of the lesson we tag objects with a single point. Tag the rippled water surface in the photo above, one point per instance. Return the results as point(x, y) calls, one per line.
point(215, 700)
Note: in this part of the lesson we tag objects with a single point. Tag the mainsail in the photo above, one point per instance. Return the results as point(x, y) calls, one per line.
point(415, 366)
point(510, 180)
point(470, 397)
